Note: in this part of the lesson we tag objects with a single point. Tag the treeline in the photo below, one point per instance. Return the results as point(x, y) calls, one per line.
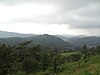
point(29, 60)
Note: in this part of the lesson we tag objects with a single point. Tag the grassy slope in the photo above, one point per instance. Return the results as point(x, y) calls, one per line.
point(92, 67)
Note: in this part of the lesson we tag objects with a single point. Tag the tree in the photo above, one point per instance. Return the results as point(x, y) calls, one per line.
point(85, 53)
point(98, 50)
point(5, 59)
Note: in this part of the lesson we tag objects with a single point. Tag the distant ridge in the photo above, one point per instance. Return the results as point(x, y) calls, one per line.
point(45, 40)
point(89, 41)
point(5, 34)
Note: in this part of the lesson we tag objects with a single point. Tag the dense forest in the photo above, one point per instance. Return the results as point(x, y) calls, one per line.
point(36, 60)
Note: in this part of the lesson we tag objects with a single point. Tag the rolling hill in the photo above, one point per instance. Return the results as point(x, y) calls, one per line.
point(89, 41)
point(45, 40)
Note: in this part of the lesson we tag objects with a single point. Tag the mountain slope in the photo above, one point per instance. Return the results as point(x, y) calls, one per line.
point(49, 41)
point(43, 40)
point(89, 41)
point(65, 37)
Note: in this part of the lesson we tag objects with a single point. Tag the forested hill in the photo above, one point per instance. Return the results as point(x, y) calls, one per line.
point(43, 40)
point(89, 41)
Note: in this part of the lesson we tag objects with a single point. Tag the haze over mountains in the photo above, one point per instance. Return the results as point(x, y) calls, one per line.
point(5, 34)
point(89, 41)
point(49, 40)
point(45, 40)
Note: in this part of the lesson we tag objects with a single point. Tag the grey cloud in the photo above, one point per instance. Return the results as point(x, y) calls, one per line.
point(93, 10)
point(70, 4)
point(77, 13)
point(85, 17)
point(88, 17)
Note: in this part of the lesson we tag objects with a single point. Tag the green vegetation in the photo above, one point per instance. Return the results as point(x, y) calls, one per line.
point(36, 60)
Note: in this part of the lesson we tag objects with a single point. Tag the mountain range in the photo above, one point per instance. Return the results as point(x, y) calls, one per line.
point(45, 40)
point(89, 41)
point(5, 34)
point(80, 40)
point(49, 40)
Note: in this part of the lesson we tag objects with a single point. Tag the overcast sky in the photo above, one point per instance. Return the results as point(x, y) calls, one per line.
point(75, 17)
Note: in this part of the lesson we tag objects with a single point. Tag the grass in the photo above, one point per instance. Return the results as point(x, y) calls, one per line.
point(92, 67)
point(69, 53)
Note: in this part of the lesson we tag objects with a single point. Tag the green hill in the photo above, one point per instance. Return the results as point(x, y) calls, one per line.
point(48, 41)
point(89, 41)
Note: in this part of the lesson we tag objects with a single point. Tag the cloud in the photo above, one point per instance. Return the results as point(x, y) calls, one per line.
point(78, 14)
point(34, 28)
point(25, 12)
point(86, 17)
